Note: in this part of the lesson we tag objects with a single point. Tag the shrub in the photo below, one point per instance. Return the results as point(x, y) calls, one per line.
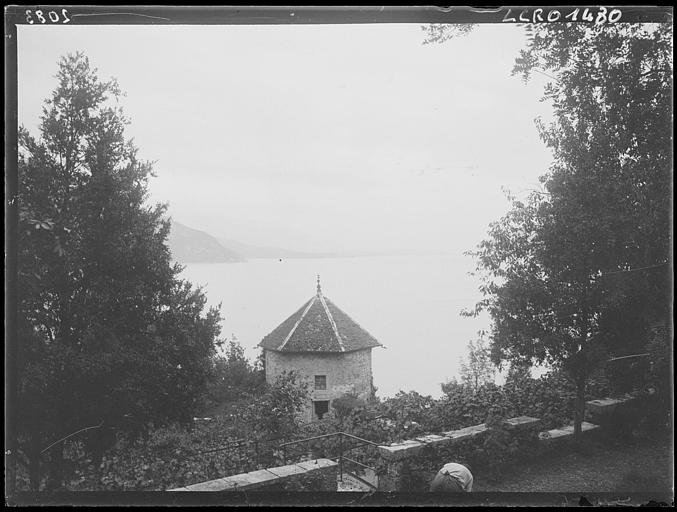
point(233, 375)
point(275, 413)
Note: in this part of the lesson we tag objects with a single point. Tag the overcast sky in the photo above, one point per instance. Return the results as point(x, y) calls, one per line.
point(316, 138)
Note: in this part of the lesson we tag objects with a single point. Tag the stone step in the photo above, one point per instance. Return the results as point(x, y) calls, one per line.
point(565, 433)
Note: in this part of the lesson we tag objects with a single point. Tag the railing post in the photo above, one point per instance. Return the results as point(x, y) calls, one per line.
point(256, 448)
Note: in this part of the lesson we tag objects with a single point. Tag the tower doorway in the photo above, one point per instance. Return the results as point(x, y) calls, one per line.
point(320, 408)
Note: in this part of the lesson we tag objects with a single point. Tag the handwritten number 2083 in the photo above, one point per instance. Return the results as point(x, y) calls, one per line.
point(32, 16)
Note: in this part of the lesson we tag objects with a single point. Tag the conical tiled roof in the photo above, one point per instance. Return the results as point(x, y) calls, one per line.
point(319, 326)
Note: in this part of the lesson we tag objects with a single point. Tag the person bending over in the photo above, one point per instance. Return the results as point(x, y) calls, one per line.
point(452, 477)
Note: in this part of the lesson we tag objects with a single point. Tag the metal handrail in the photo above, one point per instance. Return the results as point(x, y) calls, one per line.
point(71, 435)
point(342, 451)
point(628, 357)
point(308, 439)
point(359, 445)
point(364, 441)
point(358, 463)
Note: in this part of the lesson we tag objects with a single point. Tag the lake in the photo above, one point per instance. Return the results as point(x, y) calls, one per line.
point(410, 304)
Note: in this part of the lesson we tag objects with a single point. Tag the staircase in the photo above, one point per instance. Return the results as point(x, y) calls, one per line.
point(353, 475)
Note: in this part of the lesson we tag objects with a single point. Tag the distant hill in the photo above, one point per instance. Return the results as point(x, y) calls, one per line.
point(254, 251)
point(190, 245)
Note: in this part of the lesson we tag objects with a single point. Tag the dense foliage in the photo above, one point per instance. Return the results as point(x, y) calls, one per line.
point(109, 335)
point(248, 434)
point(550, 398)
point(405, 416)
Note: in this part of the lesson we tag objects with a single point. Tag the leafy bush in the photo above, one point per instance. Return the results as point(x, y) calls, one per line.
point(167, 458)
point(409, 414)
point(275, 413)
point(346, 404)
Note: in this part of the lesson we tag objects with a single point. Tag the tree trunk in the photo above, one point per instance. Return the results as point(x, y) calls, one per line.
point(579, 411)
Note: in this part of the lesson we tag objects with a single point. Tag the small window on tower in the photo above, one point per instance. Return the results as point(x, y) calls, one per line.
point(320, 382)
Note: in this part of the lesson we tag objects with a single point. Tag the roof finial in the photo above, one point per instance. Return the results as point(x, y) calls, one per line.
point(319, 289)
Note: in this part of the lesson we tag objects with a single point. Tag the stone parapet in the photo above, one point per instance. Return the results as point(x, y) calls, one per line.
point(522, 423)
point(403, 450)
point(410, 448)
point(432, 440)
point(255, 480)
point(463, 434)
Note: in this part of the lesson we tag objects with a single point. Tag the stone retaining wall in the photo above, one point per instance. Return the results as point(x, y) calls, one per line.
point(398, 454)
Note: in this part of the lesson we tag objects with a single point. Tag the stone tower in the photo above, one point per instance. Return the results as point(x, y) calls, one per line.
point(327, 348)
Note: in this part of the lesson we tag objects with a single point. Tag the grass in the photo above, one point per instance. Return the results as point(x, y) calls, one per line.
point(642, 465)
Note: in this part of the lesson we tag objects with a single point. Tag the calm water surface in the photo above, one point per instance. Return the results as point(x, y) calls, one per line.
point(411, 304)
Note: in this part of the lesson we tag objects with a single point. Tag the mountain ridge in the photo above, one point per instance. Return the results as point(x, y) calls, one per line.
point(190, 245)
point(250, 251)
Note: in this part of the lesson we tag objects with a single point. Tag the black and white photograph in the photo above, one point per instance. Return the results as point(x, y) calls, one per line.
point(339, 255)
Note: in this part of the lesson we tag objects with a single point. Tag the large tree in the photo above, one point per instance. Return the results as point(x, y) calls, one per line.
point(581, 268)
point(613, 133)
point(109, 334)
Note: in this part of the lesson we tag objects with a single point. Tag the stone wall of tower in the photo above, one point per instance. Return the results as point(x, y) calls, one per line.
point(346, 372)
